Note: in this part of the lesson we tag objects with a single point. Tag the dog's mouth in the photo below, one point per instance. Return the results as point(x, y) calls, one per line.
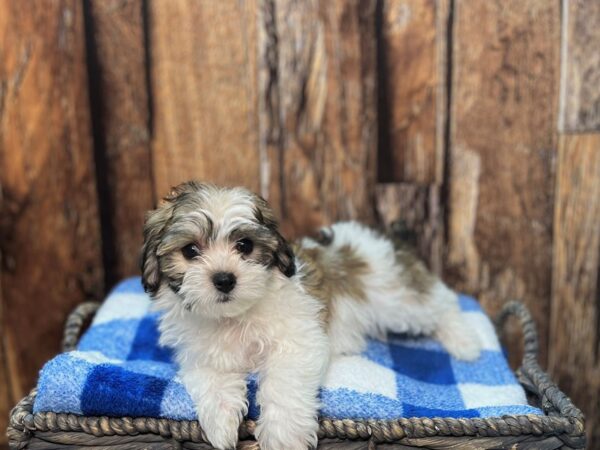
point(224, 298)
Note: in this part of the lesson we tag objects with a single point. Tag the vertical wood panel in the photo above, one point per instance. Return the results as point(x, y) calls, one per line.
point(7, 395)
point(318, 120)
point(580, 89)
point(49, 235)
point(204, 77)
point(574, 333)
point(503, 141)
point(121, 115)
point(413, 74)
point(412, 124)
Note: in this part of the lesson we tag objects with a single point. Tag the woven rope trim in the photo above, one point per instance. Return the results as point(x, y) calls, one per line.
point(565, 420)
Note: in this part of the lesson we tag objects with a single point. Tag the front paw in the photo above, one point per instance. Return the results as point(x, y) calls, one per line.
point(220, 425)
point(287, 432)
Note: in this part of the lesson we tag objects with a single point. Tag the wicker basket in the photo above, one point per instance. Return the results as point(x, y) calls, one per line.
point(562, 426)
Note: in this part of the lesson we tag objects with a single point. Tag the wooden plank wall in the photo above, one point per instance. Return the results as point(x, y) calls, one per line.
point(49, 230)
point(119, 95)
point(474, 124)
point(413, 74)
point(574, 339)
point(503, 143)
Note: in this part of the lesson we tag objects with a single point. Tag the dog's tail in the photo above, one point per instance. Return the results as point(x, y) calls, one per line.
point(324, 236)
point(402, 236)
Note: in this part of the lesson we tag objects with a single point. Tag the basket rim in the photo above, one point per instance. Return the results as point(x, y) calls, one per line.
point(561, 417)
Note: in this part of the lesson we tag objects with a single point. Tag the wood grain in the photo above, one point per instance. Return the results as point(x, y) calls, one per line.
point(580, 84)
point(49, 234)
point(318, 135)
point(574, 333)
point(120, 106)
point(7, 395)
point(502, 148)
point(412, 70)
point(203, 81)
point(413, 115)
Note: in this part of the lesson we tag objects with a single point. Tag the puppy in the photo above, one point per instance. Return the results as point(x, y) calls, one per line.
point(236, 298)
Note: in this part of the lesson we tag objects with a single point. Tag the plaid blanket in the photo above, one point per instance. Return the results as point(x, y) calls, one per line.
point(119, 370)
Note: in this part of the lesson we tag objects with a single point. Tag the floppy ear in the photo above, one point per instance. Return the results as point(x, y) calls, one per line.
point(154, 226)
point(283, 254)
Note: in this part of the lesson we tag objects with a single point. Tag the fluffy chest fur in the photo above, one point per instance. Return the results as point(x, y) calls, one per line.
point(285, 315)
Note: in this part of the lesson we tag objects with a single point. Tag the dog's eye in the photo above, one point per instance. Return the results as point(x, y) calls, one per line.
point(190, 251)
point(244, 246)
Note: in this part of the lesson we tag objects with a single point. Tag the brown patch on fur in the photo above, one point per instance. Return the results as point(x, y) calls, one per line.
point(333, 272)
point(413, 272)
point(284, 255)
point(265, 243)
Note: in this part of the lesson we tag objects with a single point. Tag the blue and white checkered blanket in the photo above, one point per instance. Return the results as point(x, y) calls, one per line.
point(118, 370)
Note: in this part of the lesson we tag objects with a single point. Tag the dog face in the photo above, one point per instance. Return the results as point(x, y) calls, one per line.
point(216, 248)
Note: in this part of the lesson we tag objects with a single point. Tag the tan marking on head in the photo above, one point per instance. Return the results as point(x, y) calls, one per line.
point(330, 273)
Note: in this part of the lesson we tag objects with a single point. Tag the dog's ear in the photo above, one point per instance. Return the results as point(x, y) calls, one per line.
point(283, 255)
point(154, 227)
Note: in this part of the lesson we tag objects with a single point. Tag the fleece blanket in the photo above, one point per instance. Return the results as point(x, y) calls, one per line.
point(119, 370)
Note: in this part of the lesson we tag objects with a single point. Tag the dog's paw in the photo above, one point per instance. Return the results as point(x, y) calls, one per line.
point(221, 432)
point(287, 432)
point(461, 341)
point(221, 426)
point(468, 350)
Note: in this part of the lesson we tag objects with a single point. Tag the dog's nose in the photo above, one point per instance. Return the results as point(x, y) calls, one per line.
point(224, 281)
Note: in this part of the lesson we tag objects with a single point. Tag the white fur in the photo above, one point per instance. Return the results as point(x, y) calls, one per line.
point(271, 326)
point(392, 306)
point(279, 337)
